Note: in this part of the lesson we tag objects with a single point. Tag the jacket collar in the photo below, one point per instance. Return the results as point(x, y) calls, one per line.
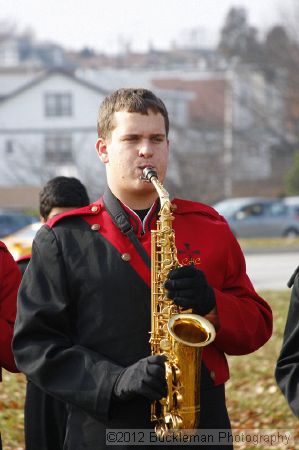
point(141, 227)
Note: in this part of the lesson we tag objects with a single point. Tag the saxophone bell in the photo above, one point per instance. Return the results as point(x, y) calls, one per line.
point(191, 329)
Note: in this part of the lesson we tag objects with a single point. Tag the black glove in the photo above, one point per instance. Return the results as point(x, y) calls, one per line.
point(187, 287)
point(146, 378)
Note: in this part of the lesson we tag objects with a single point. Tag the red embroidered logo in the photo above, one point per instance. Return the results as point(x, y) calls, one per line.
point(189, 256)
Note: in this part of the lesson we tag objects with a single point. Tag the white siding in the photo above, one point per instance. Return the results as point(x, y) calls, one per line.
point(24, 125)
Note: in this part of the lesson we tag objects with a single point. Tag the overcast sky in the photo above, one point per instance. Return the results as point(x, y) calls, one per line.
point(106, 25)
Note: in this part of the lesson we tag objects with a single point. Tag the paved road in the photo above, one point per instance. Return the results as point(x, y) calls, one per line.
point(271, 270)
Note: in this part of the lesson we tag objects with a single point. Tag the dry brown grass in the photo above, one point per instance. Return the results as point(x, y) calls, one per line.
point(253, 399)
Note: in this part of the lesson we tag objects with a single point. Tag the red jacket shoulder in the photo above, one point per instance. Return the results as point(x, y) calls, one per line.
point(3, 246)
point(190, 207)
point(90, 210)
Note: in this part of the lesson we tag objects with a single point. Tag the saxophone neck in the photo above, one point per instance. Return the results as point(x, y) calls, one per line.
point(165, 204)
point(151, 176)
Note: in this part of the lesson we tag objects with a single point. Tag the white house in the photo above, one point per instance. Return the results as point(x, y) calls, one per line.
point(9, 52)
point(48, 128)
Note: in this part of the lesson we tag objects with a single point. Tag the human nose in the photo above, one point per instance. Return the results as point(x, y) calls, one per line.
point(145, 149)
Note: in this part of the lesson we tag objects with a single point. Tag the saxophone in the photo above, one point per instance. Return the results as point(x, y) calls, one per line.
point(179, 336)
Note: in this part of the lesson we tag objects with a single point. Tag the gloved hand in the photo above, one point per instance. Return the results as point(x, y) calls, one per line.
point(187, 287)
point(146, 378)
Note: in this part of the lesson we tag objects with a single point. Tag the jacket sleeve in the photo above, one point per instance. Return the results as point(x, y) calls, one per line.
point(287, 367)
point(245, 318)
point(43, 343)
point(9, 283)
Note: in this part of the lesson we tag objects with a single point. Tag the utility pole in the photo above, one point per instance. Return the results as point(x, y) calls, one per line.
point(228, 134)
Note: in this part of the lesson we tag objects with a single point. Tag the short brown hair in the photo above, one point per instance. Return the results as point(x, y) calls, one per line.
point(130, 100)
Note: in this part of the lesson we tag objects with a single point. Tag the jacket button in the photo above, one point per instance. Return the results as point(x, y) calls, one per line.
point(95, 227)
point(212, 375)
point(126, 257)
point(94, 208)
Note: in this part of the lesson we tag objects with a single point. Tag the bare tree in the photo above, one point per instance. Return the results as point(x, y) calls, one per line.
point(272, 63)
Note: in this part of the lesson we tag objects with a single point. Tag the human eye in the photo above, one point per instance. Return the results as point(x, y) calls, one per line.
point(130, 138)
point(158, 138)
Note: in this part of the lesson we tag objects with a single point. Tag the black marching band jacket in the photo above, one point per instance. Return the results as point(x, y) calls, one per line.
point(287, 368)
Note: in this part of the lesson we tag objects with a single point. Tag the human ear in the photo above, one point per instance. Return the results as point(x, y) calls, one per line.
point(101, 149)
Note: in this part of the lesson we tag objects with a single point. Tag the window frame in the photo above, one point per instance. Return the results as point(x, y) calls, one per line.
point(58, 149)
point(58, 104)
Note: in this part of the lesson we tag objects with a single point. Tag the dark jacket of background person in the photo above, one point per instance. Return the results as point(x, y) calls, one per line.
point(287, 368)
point(45, 415)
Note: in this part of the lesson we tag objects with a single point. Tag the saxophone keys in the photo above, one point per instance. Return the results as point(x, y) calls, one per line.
point(176, 373)
point(178, 400)
point(165, 329)
point(165, 345)
point(165, 312)
point(161, 428)
point(173, 421)
point(164, 401)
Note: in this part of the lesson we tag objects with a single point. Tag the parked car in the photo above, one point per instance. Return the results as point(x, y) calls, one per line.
point(293, 202)
point(19, 243)
point(260, 217)
point(11, 221)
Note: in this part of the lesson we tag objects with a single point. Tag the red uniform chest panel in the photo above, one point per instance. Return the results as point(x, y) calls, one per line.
point(123, 245)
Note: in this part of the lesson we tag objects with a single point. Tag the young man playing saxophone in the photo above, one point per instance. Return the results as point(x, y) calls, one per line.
point(83, 323)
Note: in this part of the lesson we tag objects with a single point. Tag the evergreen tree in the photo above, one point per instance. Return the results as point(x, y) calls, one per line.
point(238, 38)
point(292, 177)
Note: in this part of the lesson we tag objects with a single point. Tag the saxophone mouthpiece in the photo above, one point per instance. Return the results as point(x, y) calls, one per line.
point(149, 173)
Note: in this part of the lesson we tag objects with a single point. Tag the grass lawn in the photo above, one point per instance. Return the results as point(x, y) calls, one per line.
point(253, 399)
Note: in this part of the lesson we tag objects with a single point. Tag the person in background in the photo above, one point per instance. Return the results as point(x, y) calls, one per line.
point(84, 309)
point(59, 194)
point(9, 283)
point(45, 415)
point(287, 366)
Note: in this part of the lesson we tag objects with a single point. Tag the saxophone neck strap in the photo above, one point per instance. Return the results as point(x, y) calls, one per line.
point(121, 220)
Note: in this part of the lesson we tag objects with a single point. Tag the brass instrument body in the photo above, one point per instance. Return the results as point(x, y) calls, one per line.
point(179, 336)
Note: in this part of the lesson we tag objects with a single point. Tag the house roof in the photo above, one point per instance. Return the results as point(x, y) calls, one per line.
point(47, 74)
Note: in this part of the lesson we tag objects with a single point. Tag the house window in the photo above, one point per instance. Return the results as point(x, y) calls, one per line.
point(9, 147)
point(58, 149)
point(57, 105)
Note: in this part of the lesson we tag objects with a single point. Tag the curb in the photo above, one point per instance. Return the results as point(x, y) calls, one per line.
point(269, 250)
